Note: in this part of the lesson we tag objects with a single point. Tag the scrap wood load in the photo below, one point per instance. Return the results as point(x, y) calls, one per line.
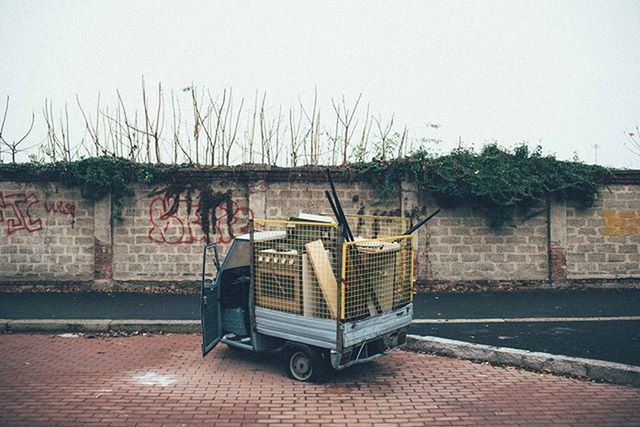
point(304, 269)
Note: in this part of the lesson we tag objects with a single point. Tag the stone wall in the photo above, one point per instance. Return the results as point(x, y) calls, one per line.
point(150, 246)
point(50, 235)
point(459, 246)
point(604, 242)
point(46, 233)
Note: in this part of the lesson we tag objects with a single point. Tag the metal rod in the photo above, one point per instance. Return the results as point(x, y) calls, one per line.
point(549, 250)
point(216, 257)
point(420, 224)
point(252, 274)
point(339, 207)
point(204, 268)
point(337, 215)
point(360, 351)
point(341, 216)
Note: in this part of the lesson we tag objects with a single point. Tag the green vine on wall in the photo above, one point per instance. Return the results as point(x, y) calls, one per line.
point(501, 182)
point(95, 177)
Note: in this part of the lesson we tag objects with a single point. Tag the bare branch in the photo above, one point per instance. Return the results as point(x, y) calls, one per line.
point(346, 124)
point(33, 117)
point(253, 127)
point(14, 147)
point(127, 129)
point(4, 117)
point(403, 140)
point(93, 131)
point(383, 134)
point(314, 126)
point(232, 139)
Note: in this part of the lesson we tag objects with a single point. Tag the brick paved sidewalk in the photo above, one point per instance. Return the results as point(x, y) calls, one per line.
point(48, 380)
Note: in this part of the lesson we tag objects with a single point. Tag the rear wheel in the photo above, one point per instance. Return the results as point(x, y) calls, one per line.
point(305, 363)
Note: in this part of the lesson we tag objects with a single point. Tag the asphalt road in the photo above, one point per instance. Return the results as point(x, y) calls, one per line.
point(575, 303)
point(98, 305)
point(615, 341)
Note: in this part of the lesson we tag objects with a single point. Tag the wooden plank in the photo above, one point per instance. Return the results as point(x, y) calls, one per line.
point(324, 274)
point(371, 306)
point(310, 289)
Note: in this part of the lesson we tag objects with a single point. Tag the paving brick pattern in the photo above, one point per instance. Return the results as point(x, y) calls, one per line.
point(50, 380)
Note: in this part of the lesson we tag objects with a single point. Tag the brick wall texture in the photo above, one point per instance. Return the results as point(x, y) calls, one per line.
point(49, 233)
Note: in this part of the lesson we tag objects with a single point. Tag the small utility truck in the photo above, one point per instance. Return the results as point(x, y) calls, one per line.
point(308, 286)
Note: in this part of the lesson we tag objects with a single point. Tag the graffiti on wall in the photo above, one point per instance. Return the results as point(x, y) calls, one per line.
point(64, 208)
point(18, 211)
point(184, 227)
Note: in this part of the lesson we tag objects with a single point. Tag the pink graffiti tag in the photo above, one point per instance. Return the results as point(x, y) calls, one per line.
point(21, 205)
point(181, 228)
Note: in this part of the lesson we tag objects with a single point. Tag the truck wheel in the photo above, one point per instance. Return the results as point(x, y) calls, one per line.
point(305, 364)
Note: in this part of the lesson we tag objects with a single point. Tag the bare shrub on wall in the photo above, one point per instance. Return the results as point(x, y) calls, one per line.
point(196, 126)
point(13, 146)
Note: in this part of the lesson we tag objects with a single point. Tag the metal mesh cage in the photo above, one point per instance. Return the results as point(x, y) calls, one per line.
point(304, 267)
point(374, 226)
point(377, 276)
point(296, 267)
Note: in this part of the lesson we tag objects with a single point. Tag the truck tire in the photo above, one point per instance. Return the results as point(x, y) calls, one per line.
point(305, 363)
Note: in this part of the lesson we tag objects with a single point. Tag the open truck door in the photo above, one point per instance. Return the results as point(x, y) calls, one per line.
point(210, 311)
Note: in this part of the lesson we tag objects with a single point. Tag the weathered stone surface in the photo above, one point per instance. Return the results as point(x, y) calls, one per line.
point(50, 234)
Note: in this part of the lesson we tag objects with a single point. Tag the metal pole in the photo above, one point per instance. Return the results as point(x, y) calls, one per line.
point(549, 252)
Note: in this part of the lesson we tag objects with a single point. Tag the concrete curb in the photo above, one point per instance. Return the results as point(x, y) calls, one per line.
point(99, 325)
point(600, 370)
point(175, 326)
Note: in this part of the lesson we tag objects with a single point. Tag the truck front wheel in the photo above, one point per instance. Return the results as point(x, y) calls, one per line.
point(305, 363)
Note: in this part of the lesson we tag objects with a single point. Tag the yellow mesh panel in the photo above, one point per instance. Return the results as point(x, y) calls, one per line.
point(296, 267)
point(377, 276)
point(374, 226)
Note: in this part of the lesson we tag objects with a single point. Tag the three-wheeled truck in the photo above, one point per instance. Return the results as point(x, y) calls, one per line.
point(300, 287)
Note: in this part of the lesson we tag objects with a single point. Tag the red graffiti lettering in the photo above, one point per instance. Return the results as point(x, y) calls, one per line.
point(61, 207)
point(181, 228)
point(227, 227)
point(168, 228)
point(20, 205)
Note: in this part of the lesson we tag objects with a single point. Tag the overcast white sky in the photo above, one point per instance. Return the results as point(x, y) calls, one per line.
point(562, 74)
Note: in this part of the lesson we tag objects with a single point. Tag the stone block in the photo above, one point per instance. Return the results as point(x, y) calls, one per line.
point(629, 249)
